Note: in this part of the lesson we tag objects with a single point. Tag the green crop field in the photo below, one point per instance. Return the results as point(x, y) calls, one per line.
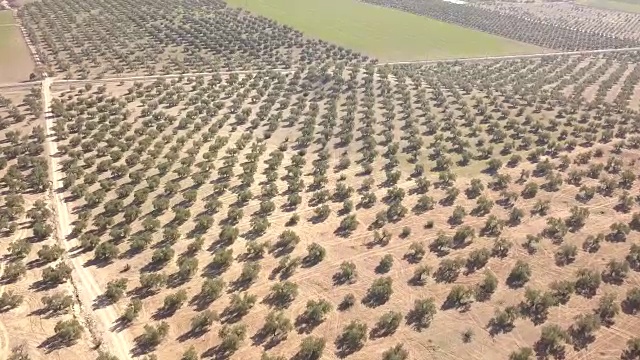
point(387, 34)
point(6, 17)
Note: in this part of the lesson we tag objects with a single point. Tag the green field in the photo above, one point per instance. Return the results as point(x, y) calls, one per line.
point(386, 34)
point(6, 17)
point(619, 5)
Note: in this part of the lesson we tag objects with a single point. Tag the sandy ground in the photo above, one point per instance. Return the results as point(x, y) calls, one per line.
point(88, 290)
point(27, 325)
point(15, 61)
point(443, 338)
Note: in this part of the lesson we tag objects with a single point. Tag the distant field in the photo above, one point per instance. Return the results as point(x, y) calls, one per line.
point(387, 34)
point(6, 17)
point(619, 5)
point(15, 61)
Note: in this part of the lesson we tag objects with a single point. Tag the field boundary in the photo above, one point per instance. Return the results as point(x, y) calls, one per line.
point(55, 81)
point(514, 57)
point(381, 32)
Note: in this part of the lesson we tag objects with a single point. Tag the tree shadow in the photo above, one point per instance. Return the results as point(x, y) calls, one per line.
point(339, 279)
point(543, 351)
point(229, 316)
point(305, 325)
point(100, 302)
point(163, 313)
point(41, 285)
point(580, 340)
point(380, 332)
point(629, 308)
point(212, 270)
point(175, 280)
point(344, 349)
point(120, 324)
point(495, 328)
point(417, 322)
point(35, 263)
point(261, 337)
point(143, 292)
point(217, 353)
point(45, 313)
point(200, 303)
point(54, 343)
point(139, 349)
point(152, 267)
point(97, 263)
point(193, 334)
point(371, 300)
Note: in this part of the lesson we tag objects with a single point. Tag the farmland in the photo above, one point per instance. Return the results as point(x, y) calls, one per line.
point(620, 25)
point(6, 17)
point(15, 61)
point(151, 44)
point(382, 33)
point(275, 211)
point(616, 5)
point(388, 35)
point(29, 246)
point(195, 181)
point(543, 31)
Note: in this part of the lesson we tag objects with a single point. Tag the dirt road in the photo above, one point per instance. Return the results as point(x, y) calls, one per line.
point(4, 335)
point(175, 76)
point(117, 343)
point(514, 57)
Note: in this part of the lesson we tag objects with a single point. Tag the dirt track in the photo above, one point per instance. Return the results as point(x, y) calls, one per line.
point(514, 57)
point(4, 336)
point(117, 343)
point(175, 76)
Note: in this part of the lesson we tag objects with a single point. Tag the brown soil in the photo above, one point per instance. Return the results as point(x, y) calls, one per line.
point(443, 339)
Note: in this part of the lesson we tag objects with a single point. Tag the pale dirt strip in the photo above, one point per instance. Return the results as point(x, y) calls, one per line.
point(515, 57)
point(4, 336)
point(117, 343)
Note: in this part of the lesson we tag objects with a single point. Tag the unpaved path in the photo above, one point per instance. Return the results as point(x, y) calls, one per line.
point(162, 77)
point(4, 336)
point(514, 57)
point(117, 343)
point(240, 72)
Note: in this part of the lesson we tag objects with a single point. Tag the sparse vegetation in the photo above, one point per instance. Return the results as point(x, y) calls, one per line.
point(309, 202)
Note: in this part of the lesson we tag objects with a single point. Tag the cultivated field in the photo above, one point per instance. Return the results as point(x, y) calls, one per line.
point(616, 5)
point(609, 81)
point(86, 47)
point(15, 61)
point(561, 14)
point(260, 212)
point(388, 35)
point(33, 299)
point(194, 181)
point(6, 18)
point(518, 25)
point(163, 37)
